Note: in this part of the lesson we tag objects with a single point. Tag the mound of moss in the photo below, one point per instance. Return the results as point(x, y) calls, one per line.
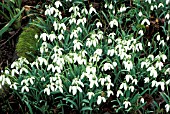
point(26, 46)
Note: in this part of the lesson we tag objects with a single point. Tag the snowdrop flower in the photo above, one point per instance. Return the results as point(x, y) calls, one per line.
point(126, 103)
point(149, 1)
point(44, 36)
point(119, 92)
point(153, 72)
point(90, 94)
point(149, 44)
point(98, 52)
point(77, 45)
point(135, 81)
point(123, 85)
point(8, 81)
point(162, 42)
point(51, 37)
point(109, 92)
point(151, 57)
point(14, 71)
point(102, 80)
point(146, 80)
point(55, 25)
point(99, 24)
point(111, 52)
point(164, 57)
point(14, 86)
point(24, 88)
point(25, 81)
point(142, 100)
point(113, 22)
point(167, 16)
point(84, 11)
point(47, 90)
point(158, 37)
point(31, 80)
point(109, 84)
point(100, 99)
point(111, 6)
point(145, 21)
point(154, 83)
point(167, 107)
point(159, 65)
point(42, 79)
point(141, 32)
point(36, 36)
point(152, 8)
point(74, 89)
point(60, 37)
point(128, 65)
point(140, 14)
point(167, 82)
point(93, 81)
point(107, 66)
point(122, 9)
point(58, 4)
point(160, 5)
point(42, 60)
point(131, 88)
point(92, 10)
point(162, 84)
point(127, 77)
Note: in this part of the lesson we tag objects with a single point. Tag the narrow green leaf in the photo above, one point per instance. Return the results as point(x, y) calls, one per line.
point(86, 109)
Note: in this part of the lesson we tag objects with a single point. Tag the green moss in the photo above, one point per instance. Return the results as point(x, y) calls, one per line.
point(26, 46)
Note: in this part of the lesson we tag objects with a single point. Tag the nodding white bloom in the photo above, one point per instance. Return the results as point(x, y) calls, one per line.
point(162, 42)
point(145, 21)
point(154, 83)
point(77, 45)
point(122, 9)
point(149, 44)
point(146, 64)
point(135, 81)
point(158, 37)
point(149, 1)
point(14, 71)
point(76, 83)
point(132, 88)
point(58, 4)
point(109, 84)
point(99, 24)
point(160, 5)
point(140, 14)
point(25, 82)
point(111, 52)
point(55, 25)
point(167, 82)
point(100, 99)
point(36, 36)
point(123, 85)
point(23, 69)
point(113, 22)
point(92, 10)
point(119, 92)
point(167, 107)
point(127, 77)
point(152, 8)
point(167, 72)
point(126, 103)
point(47, 90)
point(152, 71)
point(164, 57)
point(31, 80)
point(98, 52)
point(42, 79)
point(51, 67)
point(167, 16)
point(162, 84)
point(42, 60)
point(84, 11)
point(60, 37)
point(109, 92)
point(146, 80)
point(128, 65)
point(159, 65)
point(8, 81)
point(52, 37)
point(107, 66)
point(14, 86)
point(44, 36)
point(102, 80)
point(44, 47)
point(24, 88)
point(151, 57)
point(141, 32)
point(93, 80)
point(74, 34)
point(142, 100)
point(90, 94)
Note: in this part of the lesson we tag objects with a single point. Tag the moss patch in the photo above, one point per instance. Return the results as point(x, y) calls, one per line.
point(26, 46)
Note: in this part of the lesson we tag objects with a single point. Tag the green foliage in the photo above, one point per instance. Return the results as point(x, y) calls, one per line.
point(26, 46)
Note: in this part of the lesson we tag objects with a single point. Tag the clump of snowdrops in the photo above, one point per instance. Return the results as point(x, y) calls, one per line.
point(84, 60)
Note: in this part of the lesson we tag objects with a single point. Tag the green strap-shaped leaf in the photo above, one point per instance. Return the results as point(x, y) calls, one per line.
point(5, 28)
